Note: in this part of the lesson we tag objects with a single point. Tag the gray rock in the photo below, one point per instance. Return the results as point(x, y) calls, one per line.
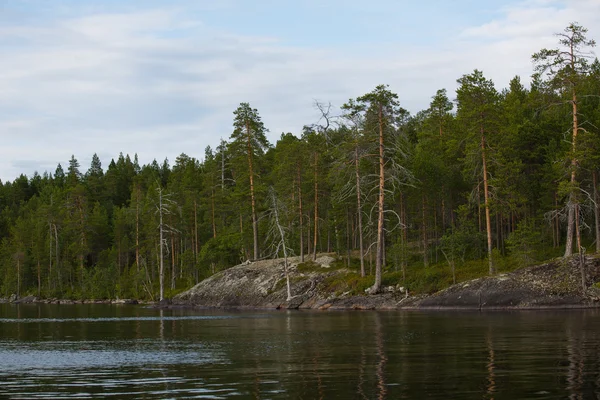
point(26, 300)
point(261, 284)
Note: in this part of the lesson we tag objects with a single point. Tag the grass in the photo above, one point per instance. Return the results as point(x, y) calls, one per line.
point(419, 279)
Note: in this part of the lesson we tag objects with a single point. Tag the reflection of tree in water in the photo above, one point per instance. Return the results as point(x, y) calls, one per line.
point(361, 372)
point(491, 365)
point(575, 357)
point(316, 373)
point(382, 358)
point(362, 364)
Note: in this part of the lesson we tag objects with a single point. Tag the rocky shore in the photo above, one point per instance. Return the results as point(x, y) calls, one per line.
point(261, 285)
point(37, 300)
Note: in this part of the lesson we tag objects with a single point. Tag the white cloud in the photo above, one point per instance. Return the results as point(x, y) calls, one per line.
point(159, 82)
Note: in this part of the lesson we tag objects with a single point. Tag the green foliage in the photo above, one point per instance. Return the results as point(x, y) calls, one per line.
point(524, 242)
point(219, 253)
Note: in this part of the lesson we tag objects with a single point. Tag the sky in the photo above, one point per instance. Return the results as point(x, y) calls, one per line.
point(160, 78)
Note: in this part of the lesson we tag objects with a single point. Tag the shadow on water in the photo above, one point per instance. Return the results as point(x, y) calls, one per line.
point(127, 351)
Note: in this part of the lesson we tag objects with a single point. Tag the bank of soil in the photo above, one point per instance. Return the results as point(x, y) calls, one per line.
point(261, 284)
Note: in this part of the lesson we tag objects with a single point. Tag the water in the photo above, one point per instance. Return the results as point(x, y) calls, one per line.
point(102, 351)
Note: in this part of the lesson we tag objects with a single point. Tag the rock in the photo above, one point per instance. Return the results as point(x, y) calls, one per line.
point(551, 285)
point(12, 298)
point(165, 302)
point(261, 284)
point(125, 301)
point(26, 300)
point(593, 293)
point(325, 261)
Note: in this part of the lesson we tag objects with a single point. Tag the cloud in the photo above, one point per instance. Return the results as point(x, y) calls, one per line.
point(162, 81)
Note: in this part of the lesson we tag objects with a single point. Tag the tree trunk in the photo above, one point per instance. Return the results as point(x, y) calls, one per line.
point(58, 276)
point(160, 245)
point(308, 241)
point(348, 237)
point(316, 219)
point(173, 263)
point(379, 256)
point(580, 251)
point(359, 214)
point(252, 198)
point(50, 257)
point(596, 210)
point(300, 213)
point(488, 222)
point(403, 236)
point(424, 232)
point(137, 228)
point(572, 204)
point(285, 254)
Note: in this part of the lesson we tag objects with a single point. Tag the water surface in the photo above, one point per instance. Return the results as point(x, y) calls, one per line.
point(103, 351)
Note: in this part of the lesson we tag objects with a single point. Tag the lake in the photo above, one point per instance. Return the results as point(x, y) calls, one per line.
point(104, 351)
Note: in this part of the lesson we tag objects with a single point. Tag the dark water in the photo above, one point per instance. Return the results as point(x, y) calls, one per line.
point(86, 351)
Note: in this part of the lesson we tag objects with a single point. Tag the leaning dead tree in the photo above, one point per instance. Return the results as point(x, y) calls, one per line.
point(163, 208)
point(277, 235)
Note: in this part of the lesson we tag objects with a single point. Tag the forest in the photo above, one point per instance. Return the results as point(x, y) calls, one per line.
point(481, 182)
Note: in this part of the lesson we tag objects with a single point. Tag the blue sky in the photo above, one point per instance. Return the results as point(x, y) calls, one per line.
point(159, 78)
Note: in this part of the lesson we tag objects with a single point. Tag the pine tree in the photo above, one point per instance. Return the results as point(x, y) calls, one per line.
point(248, 138)
point(566, 67)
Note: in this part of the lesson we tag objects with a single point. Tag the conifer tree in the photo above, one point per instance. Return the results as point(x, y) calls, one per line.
point(248, 139)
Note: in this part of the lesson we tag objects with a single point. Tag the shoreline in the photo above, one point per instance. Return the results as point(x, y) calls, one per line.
point(327, 307)
point(260, 285)
point(40, 300)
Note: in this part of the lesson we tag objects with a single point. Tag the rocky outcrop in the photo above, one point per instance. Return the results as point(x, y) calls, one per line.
point(557, 284)
point(261, 284)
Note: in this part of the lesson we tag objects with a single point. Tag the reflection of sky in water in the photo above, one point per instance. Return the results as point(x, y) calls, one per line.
point(82, 354)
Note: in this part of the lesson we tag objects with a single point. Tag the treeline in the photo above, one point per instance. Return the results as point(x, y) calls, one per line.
point(489, 175)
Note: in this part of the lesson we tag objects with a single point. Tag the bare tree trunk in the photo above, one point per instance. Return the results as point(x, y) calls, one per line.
point(58, 276)
point(488, 223)
point(222, 165)
point(596, 213)
point(348, 238)
point(580, 251)
point(196, 244)
point(160, 245)
point(316, 219)
point(308, 241)
point(173, 264)
point(379, 255)
point(572, 204)
point(479, 207)
point(252, 198)
point(359, 214)
point(285, 254)
point(50, 257)
point(137, 228)
point(424, 232)
point(404, 236)
point(300, 213)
